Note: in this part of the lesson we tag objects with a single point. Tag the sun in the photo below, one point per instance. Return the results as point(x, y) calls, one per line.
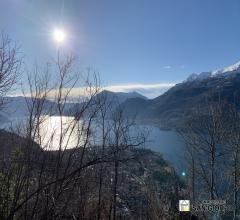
point(59, 35)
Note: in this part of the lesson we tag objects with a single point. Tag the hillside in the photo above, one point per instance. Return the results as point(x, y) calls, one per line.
point(147, 186)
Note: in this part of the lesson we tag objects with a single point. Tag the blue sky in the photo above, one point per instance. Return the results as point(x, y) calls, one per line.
point(130, 42)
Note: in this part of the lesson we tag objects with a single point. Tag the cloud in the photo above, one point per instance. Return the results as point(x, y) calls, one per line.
point(167, 67)
point(76, 93)
point(149, 90)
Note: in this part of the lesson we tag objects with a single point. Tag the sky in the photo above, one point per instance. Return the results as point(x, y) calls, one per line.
point(142, 45)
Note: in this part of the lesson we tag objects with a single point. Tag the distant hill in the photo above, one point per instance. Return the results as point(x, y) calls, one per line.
point(18, 106)
point(113, 99)
point(119, 97)
point(3, 118)
point(135, 106)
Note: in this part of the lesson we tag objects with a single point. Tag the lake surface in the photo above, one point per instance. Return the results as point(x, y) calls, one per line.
point(168, 143)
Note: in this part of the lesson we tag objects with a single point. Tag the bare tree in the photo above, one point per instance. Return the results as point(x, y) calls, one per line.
point(105, 132)
point(204, 134)
point(52, 172)
point(121, 140)
point(232, 145)
point(10, 63)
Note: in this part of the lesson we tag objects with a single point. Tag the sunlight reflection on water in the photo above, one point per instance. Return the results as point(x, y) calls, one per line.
point(166, 142)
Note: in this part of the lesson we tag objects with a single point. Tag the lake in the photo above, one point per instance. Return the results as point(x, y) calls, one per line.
point(168, 143)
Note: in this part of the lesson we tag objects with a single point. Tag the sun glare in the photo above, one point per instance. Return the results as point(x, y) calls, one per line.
point(59, 35)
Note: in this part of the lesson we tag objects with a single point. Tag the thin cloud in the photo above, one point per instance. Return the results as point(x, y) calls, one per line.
point(182, 67)
point(149, 90)
point(167, 67)
point(127, 87)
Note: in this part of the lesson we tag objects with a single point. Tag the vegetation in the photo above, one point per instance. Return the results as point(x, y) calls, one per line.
point(105, 175)
point(212, 154)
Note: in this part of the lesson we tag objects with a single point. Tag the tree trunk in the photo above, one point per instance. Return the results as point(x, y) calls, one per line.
point(115, 190)
point(100, 193)
point(212, 164)
point(235, 190)
point(193, 179)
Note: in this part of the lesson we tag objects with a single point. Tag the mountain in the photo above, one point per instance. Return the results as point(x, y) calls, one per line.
point(15, 107)
point(233, 69)
point(113, 99)
point(171, 108)
point(135, 106)
point(3, 118)
point(119, 97)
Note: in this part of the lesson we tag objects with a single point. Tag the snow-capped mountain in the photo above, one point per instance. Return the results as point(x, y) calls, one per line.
point(227, 71)
point(235, 68)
